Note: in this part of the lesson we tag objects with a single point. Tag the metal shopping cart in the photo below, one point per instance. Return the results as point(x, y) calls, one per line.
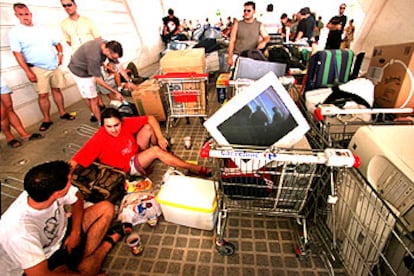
point(357, 226)
point(334, 127)
point(186, 95)
point(276, 182)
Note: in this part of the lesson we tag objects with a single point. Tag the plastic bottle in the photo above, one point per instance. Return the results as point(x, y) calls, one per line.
point(152, 218)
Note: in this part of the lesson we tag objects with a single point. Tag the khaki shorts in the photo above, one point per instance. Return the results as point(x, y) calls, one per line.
point(48, 79)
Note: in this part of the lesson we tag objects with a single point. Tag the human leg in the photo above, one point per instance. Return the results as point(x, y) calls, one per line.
point(44, 105)
point(95, 224)
point(146, 137)
point(146, 157)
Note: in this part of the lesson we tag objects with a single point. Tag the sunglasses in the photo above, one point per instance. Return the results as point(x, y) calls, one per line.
point(247, 10)
point(67, 5)
point(342, 8)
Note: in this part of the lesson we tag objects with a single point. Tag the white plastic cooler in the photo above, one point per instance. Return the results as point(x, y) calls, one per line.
point(189, 201)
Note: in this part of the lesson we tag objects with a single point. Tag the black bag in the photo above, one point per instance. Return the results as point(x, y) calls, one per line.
point(209, 45)
point(127, 109)
point(281, 55)
point(254, 54)
point(99, 182)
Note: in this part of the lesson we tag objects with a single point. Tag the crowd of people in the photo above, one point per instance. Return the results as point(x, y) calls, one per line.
point(304, 24)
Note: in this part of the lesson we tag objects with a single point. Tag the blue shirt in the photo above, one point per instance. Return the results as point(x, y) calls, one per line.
point(36, 44)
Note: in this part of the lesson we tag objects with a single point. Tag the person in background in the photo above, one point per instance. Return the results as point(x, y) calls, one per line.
point(318, 27)
point(293, 26)
point(39, 55)
point(305, 26)
point(270, 21)
point(76, 30)
point(336, 26)
point(247, 34)
point(348, 35)
point(171, 26)
point(85, 66)
point(10, 118)
point(38, 236)
point(283, 24)
point(130, 144)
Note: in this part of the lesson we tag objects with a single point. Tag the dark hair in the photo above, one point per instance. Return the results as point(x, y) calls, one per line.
point(19, 5)
point(270, 8)
point(250, 3)
point(110, 112)
point(170, 11)
point(115, 47)
point(42, 181)
point(283, 16)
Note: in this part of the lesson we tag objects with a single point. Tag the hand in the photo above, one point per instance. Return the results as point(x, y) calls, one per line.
point(163, 143)
point(230, 60)
point(119, 97)
point(71, 242)
point(31, 76)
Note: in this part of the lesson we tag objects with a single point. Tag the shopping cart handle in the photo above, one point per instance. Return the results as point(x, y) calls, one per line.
point(341, 158)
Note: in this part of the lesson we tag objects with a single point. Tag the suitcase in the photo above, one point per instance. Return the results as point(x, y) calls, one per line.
point(329, 67)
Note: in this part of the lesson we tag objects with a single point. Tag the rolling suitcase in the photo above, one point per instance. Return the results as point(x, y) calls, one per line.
point(329, 67)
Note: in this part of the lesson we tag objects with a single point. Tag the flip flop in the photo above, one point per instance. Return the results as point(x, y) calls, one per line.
point(14, 143)
point(67, 116)
point(34, 136)
point(45, 126)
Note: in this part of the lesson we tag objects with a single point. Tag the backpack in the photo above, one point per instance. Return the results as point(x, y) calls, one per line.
point(99, 182)
point(281, 55)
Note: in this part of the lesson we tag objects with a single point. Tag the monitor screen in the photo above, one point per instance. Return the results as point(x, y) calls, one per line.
point(263, 114)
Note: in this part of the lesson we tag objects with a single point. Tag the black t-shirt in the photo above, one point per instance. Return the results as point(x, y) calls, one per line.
point(171, 23)
point(335, 36)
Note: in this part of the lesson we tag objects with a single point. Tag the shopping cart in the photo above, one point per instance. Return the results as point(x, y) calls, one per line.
point(276, 183)
point(334, 127)
point(186, 95)
point(356, 228)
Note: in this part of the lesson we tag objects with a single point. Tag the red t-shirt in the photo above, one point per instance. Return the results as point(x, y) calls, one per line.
point(112, 151)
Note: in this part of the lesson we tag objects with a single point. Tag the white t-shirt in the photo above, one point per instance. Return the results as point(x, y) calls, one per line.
point(270, 22)
point(29, 236)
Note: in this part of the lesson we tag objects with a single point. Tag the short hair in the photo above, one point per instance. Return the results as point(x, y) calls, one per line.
point(110, 112)
point(115, 47)
point(19, 5)
point(270, 8)
point(43, 180)
point(170, 11)
point(250, 3)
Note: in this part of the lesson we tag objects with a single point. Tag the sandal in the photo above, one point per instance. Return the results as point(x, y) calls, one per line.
point(34, 136)
point(115, 229)
point(67, 116)
point(205, 172)
point(45, 126)
point(14, 143)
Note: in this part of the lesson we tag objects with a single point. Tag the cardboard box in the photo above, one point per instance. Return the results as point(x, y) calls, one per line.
point(148, 100)
point(391, 69)
point(191, 60)
point(189, 201)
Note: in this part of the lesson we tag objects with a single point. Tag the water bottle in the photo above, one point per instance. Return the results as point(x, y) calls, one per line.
point(221, 94)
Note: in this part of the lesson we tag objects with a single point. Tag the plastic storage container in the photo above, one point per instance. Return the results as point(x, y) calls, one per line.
point(189, 201)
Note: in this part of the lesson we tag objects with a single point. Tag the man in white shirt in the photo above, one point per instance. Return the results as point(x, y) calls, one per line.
point(38, 236)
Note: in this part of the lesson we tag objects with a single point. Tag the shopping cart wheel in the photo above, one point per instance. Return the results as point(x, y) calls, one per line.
point(302, 253)
point(202, 119)
point(225, 248)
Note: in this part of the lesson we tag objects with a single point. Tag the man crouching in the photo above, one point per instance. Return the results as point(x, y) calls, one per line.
point(38, 236)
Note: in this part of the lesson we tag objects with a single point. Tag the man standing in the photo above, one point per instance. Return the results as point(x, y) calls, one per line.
point(85, 66)
point(247, 34)
point(78, 29)
point(39, 237)
point(171, 26)
point(35, 51)
point(336, 26)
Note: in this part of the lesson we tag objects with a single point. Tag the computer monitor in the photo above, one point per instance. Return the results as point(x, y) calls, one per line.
point(263, 114)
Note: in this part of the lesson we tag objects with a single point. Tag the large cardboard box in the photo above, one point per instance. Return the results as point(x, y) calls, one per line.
point(148, 100)
point(189, 201)
point(391, 69)
point(191, 60)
